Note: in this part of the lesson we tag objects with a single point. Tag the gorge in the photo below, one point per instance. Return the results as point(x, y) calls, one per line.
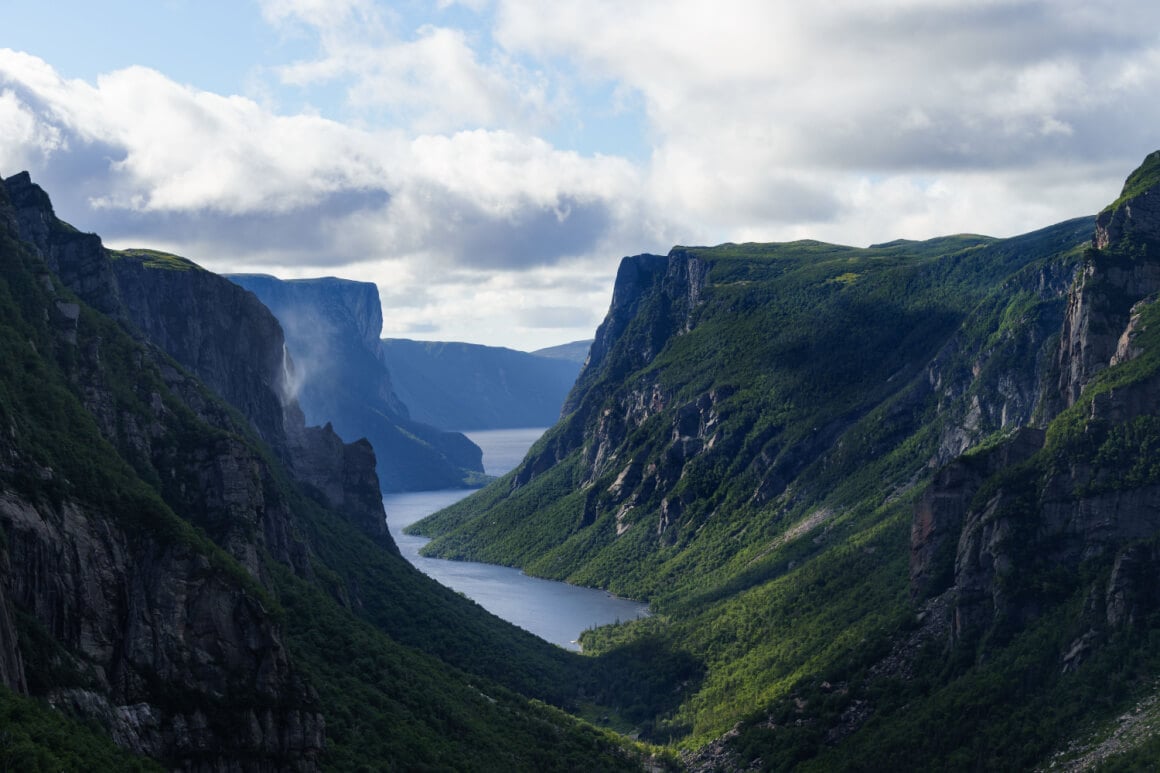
point(892, 507)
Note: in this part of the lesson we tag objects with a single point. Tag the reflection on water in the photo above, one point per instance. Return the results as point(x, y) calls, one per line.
point(554, 611)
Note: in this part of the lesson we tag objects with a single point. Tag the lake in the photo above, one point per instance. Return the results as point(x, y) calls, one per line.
point(554, 611)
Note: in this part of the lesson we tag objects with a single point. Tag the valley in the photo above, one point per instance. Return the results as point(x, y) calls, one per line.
point(891, 507)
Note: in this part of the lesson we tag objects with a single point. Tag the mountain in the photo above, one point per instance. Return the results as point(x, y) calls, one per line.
point(896, 504)
point(468, 387)
point(191, 578)
point(332, 329)
point(576, 351)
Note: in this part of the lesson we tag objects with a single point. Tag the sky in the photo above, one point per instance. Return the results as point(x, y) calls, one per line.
point(487, 163)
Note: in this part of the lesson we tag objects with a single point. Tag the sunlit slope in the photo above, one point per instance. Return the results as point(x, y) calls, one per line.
point(734, 389)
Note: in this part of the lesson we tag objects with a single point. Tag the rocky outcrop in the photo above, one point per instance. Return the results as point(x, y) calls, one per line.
point(1098, 315)
point(944, 506)
point(1135, 216)
point(672, 286)
point(1122, 270)
point(1036, 524)
point(181, 661)
point(674, 283)
point(343, 474)
point(1004, 385)
point(11, 663)
point(78, 259)
point(213, 328)
point(1018, 516)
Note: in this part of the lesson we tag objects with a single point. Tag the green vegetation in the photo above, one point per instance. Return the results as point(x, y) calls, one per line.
point(771, 342)
point(1144, 178)
point(746, 452)
point(155, 259)
point(755, 480)
point(392, 707)
point(36, 739)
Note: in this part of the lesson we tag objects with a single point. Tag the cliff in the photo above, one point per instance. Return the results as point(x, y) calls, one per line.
point(234, 345)
point(1084, 494)
point(123, 613)
point(469, 387)
point(332, 328)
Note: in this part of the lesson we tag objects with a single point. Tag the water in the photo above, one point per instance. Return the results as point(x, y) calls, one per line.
point(554, 611)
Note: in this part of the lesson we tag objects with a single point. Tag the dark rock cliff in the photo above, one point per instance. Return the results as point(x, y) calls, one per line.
point(213, 328)
point(670, 286)
point(674, 283)
point(1037, 506)
point(216, 330)
point(111, 605)
point(232, 343)
point(77, 258)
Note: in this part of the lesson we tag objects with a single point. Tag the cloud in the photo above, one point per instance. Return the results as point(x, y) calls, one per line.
point(444, 172)
point(557, 317)
point(766, 113)
point(429, 79)
point(224, 176)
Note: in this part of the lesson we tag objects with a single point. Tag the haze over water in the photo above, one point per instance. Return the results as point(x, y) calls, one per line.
point(554, 611)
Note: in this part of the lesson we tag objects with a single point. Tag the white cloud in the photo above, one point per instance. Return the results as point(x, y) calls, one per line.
point(428, 79)
point(238, 188)
point(855, 121)
point(765, 114)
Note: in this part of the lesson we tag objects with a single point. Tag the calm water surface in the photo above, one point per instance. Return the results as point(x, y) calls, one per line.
point(554, 611)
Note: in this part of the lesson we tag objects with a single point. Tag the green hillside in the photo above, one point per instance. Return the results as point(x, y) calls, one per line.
point(812, 461)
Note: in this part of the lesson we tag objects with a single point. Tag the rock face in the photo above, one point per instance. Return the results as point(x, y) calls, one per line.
point(673, 284)
point(137, 615)
point(332, 328)
point(214, 329)
point(233, 344)
point(1019, 513)
point(77, 258)
point(941, 512)
point(111, 605)
point(467, 387)
point(1005, 384)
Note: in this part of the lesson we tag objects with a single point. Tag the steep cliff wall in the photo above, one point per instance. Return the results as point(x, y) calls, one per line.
point(213, 328)
point(122, 612)
point(732, 390)
point(1021, 514)
point(77, 258)
point(233, 344)
point(332, 328)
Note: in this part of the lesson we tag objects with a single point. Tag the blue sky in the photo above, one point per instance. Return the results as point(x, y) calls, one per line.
point(488, 162)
